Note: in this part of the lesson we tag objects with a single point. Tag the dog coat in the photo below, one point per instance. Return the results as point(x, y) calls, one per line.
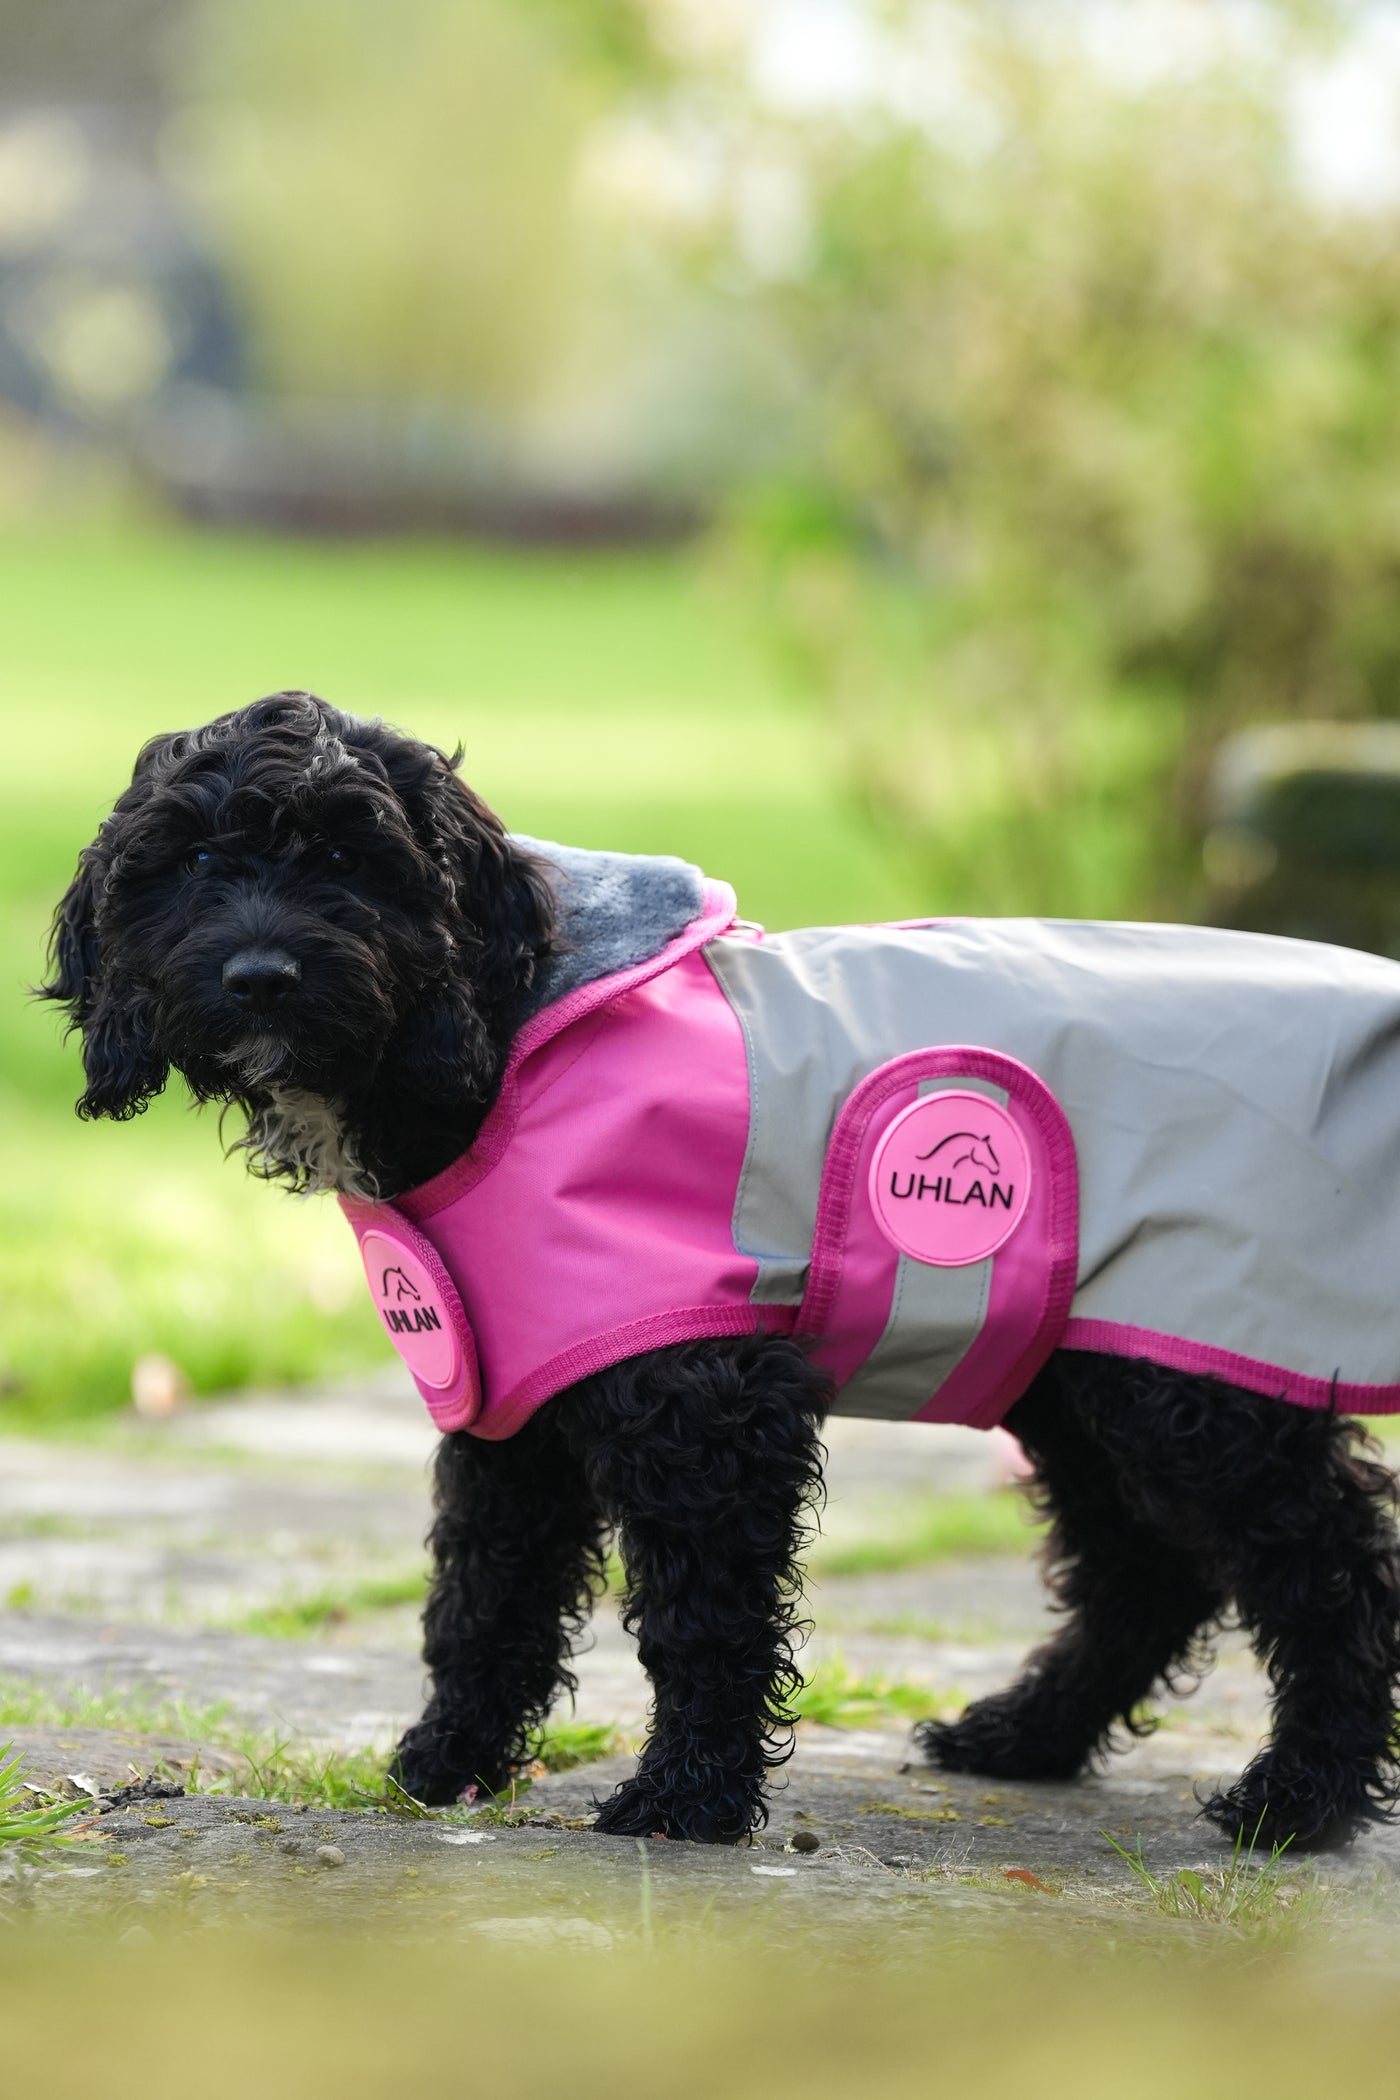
point(936, 1150)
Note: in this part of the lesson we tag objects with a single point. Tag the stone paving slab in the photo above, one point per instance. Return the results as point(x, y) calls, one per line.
point(215, 1862)
point(234, 1506)
point(342, 1692)
point(151, 1531)
point(894, 1849)
point(350, 1698)
point(78, 1760)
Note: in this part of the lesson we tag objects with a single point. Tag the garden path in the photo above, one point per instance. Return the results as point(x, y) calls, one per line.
point(152, 1565)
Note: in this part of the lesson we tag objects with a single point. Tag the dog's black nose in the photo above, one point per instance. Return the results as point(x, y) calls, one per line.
point(260, 978)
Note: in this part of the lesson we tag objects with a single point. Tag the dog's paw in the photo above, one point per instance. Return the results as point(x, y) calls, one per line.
point(639, 1810)
point(1276, 1803)
point(436, 1763)
point(1001, 1739)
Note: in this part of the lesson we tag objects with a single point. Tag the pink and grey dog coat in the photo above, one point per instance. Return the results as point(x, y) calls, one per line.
point(937, 1150)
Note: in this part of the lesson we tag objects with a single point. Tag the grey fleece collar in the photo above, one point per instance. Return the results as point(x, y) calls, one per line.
point(615, 909)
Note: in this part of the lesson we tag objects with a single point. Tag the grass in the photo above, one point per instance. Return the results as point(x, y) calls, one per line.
point(1248, 1897)
point(266, 1767)
point(839, 1697)
point(29, 1832)
point(272, 1768)
point(944, 1527)
point(604, 699)
point(24, 1704)
point(566, 1744)
point(298, 1618)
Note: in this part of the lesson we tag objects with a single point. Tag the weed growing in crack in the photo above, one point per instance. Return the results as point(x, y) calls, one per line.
point(31, 1825)
point(273, 1769)
point(1246, 1898)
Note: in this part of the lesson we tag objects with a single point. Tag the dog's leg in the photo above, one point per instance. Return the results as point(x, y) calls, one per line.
point(1136, 1604)
point(1279, 1509)
point(517, 1546)
point(1310, 1541)
point(708, 1457)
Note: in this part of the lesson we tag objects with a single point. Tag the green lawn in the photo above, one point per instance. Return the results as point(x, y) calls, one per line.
point(606, 700)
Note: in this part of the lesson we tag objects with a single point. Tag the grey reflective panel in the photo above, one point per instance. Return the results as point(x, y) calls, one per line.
point(1235, 1103)
point(819, 1010)
point(935, 1317)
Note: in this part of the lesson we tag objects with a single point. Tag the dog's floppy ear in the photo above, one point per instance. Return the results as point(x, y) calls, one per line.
point(501, 908)
point(124, 1069)
point(495, 919)
point(73, 944)
point(502, 925)
point(504, 894)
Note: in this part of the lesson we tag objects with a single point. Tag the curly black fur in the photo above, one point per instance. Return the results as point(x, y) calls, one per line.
point(408, 928)
point(518, 1556)
point(707, 1455)
point(706, 1460)
point(413, 923)
point(1173, 1497)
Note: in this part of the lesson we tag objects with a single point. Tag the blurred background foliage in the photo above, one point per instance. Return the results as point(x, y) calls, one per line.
point(391, 188)
point(884, 449)
point(1098, 452)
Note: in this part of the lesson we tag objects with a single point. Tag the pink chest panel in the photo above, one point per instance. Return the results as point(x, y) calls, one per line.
point(603, 1226)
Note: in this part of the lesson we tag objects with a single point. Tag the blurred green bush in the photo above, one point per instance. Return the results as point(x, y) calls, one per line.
point(1097, 457)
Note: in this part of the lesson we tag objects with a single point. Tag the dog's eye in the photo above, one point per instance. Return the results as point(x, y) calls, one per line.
point(198, 860)
point(337, 858)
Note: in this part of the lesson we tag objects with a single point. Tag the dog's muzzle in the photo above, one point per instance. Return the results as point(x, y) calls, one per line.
point(259, 979)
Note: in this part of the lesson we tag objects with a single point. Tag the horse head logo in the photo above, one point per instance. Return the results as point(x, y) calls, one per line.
point(402, 1289)
point(980, 1151)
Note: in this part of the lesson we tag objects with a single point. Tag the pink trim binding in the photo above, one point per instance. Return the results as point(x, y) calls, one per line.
point(964, 1395)
point(718, 910)
point(687, 1323)
point(1113, 1338)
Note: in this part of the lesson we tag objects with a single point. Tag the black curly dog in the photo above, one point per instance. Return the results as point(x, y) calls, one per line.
point(312, 917)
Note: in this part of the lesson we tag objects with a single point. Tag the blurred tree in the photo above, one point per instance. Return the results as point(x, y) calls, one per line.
point(392, 183)
point(1100, 439)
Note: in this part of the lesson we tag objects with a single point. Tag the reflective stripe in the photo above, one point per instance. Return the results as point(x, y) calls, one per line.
point(935, 1317)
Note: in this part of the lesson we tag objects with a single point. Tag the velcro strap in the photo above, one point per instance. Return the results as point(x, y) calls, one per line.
point(422, 1314)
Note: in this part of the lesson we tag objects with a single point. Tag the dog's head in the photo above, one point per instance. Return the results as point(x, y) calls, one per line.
point(293, 902)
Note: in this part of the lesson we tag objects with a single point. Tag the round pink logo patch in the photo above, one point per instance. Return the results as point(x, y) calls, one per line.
point(410, 1304)
point(951, 1178)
